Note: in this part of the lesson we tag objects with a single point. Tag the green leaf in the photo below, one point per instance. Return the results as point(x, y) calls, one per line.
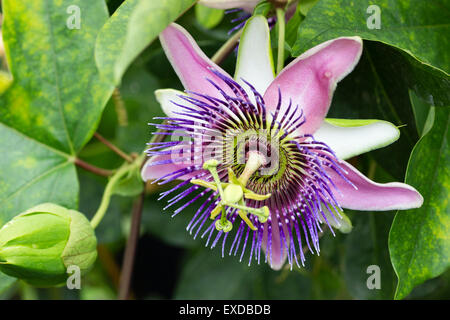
point(32, 173)
point(434, 289)
point(405, 24)
point(53, 105)
point(306, 5)
point(57, 96)
point(134, 25)
point(419, 240)
point(208, 17)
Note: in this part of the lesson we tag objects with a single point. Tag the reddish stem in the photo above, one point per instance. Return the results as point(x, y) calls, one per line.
point(89, 167)
point(130, 250)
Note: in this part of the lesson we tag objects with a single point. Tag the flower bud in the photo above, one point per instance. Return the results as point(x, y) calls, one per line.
point(39, 245)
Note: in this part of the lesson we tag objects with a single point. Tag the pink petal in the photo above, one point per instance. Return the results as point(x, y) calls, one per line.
point(152, 172)
point(278, 248)
point(372, 196)
point(311, 78)
point(189, 62)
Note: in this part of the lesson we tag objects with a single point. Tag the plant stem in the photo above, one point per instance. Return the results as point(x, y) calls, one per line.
point(107, 195)
point(113, 148)
point(89, 167)
point(227, 48)
point(130, 250)
point(281, 34)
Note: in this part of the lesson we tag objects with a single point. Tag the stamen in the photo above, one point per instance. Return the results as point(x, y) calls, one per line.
point(232, 194)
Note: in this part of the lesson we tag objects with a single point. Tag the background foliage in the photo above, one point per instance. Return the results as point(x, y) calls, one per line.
point(62, 93)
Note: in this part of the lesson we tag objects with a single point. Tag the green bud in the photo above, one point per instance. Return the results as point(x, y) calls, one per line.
point(39, 245)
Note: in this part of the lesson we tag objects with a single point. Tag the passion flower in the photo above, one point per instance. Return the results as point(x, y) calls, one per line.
point(257, 154)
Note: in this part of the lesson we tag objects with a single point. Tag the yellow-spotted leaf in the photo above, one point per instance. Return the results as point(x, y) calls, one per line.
point(419, 240)
point(54, 103)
